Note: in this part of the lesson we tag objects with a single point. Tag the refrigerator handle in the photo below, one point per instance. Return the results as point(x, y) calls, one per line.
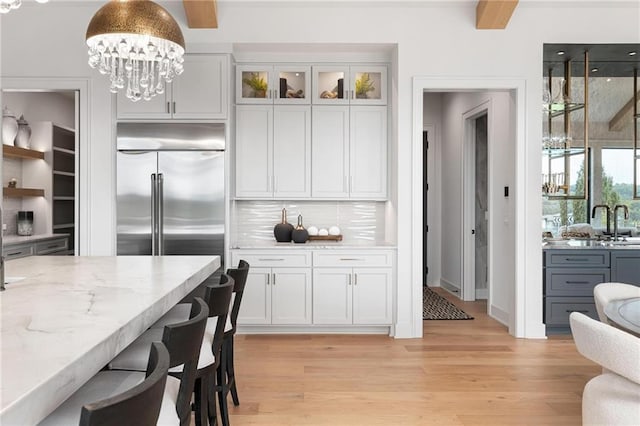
point(160, 219)
point(154, 221)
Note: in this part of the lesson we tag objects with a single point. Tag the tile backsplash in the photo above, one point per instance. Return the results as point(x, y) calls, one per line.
point(359, 221)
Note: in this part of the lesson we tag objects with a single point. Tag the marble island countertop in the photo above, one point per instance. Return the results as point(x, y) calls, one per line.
point(64, 317)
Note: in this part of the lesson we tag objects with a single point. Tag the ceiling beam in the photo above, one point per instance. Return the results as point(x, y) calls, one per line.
point(494, 14)
point(201, 13)
point(623, 118)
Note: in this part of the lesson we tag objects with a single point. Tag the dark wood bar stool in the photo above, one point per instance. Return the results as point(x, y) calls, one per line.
point(183, 342)
point(226, 370)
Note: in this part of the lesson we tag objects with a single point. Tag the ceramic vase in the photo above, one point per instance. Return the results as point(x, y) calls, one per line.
point(282, 231)
point(24, 133)
point(9, 127)
point(299, 234)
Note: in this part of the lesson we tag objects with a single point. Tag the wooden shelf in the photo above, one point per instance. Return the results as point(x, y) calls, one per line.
point(22, 192)
point(16, 152)
point(325, 237)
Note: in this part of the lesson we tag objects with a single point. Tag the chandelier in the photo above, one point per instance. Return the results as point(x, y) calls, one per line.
point(138, 44)
point(7, 5)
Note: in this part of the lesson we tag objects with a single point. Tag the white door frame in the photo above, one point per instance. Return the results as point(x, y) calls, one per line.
point(468, 254)
point(82, 86)
point(518, 321)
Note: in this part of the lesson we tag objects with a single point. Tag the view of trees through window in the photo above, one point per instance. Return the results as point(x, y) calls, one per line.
point(614, 186)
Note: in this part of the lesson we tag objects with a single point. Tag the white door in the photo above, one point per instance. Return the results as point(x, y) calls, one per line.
point(332, 296)
point(330, 152)
point(200, 91)
point(290, 296)
point(368, 152)
point(254, 145)
point(292, 151)
point(372, 296)
point(256, 299)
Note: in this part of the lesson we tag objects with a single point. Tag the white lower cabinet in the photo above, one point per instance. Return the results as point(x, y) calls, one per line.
point(352, 296)
point(319, 288)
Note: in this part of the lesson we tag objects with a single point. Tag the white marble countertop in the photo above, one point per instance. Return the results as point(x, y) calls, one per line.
point(70, 315)
point(311, 245)
point(17, 239)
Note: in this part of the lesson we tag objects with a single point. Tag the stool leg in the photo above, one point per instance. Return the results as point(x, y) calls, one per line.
point(231, 374)
point(211, 399)
point(223, 389)
point(200, 401)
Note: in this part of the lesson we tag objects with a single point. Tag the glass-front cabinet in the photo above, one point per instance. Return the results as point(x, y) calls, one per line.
point(355, 85)
point(565, 137)
point(269, 84)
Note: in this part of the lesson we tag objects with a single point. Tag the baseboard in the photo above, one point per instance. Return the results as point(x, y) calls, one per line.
point(499, 315)
point(482, 293)
point(310, 329)
point(450, 287)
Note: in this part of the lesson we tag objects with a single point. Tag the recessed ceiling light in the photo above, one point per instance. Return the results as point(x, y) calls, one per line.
point(560, 52)
point(608, 80)
point(633, 53)
point(594, 70)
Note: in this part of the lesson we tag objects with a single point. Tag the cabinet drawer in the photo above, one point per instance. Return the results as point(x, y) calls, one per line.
point(340, 258)
point(272, 258)
point(17, 251)
point(574, 281)
point(557, 309)
point(51, 246)
point(579, 258)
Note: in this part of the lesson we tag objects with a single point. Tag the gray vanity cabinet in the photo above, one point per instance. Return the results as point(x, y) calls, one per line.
point(569, 278)
point(625, 266)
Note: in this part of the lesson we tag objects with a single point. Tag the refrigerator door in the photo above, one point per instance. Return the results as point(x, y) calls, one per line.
point(192, 208)
point(134, 209)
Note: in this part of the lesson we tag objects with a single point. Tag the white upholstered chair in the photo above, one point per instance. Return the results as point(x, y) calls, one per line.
point(606, 292)
point(613, 397)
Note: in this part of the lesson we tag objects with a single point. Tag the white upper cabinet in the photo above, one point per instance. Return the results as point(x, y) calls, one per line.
point(200, 92)
point(353, 85)
point(273, 151)
point(349, 152)
point(273, 84)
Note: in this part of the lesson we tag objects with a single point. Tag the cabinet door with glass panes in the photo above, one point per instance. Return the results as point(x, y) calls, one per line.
point(273, 84)
point(355, 85)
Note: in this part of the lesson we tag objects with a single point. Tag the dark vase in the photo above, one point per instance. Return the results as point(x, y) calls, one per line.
point(282, 231)
point(299, 234)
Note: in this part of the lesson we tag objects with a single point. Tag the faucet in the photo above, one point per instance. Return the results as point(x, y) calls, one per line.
point(625, 209)
point(604, 206)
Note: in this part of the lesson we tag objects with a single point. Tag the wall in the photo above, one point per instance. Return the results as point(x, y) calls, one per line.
point(433, 38)
point(35, 106)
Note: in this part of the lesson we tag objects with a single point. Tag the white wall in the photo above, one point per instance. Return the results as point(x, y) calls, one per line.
point(42, 106)
point(434, 38)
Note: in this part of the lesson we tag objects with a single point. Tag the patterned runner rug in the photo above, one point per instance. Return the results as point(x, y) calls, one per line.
point(436, 307)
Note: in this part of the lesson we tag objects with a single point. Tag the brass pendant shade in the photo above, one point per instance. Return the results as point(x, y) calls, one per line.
point(142, 17)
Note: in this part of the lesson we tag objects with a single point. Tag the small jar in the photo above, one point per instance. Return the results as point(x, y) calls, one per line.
point(25, 222)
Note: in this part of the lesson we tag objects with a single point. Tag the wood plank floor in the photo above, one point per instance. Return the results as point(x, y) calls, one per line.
point(460, 373)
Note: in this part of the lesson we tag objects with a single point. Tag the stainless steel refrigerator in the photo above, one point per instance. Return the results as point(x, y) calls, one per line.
point(170, 188)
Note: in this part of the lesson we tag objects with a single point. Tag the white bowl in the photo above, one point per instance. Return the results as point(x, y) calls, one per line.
point(312, 230)
point(323, 232)
point(334, 230)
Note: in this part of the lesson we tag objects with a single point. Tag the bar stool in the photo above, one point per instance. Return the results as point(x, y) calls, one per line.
point(183, 342)
point(218, 300)
point(226, 370)
point(139, 405)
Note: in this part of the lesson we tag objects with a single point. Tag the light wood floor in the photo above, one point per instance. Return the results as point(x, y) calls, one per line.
point(460, 373)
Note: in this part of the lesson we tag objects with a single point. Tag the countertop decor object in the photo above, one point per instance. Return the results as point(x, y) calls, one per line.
point(299, 234)
point(312, 230)
point(325, 237)
point(9, 126)
point(334, 230)
point(136, 42)
point(24, 133)
point(282, 231)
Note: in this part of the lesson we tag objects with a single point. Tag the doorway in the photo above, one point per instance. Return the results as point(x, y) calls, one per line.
point(50, 121)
